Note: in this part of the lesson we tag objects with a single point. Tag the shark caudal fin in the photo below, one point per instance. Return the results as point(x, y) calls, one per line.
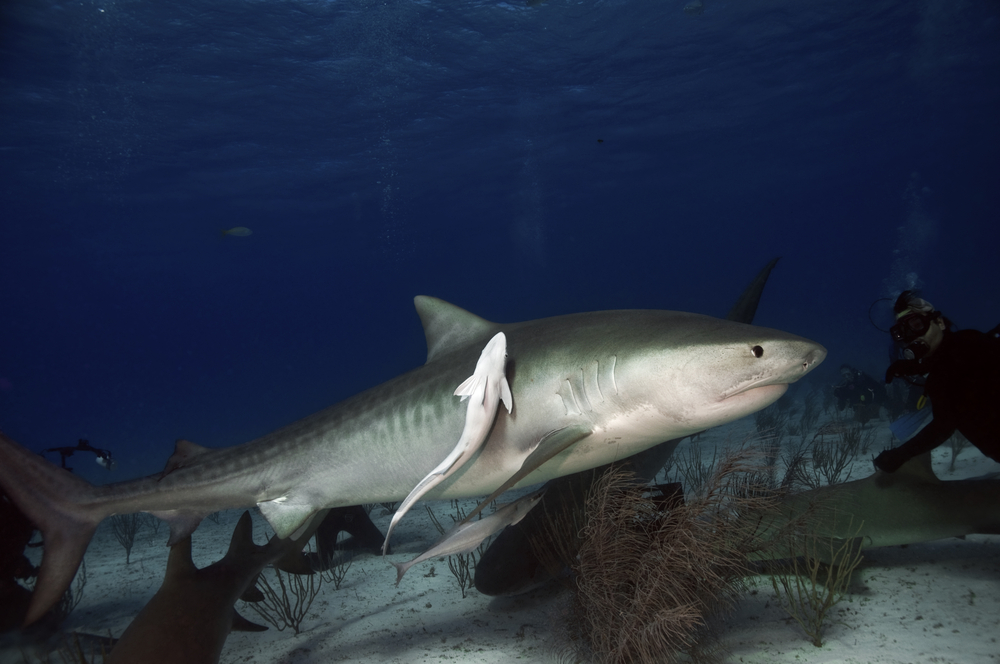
point(55, 501)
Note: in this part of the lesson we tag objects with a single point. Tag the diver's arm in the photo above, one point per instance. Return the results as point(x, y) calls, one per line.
point(929, 437)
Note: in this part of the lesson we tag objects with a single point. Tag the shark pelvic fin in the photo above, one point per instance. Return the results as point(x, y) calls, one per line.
point(447, 327)
point(286, 514)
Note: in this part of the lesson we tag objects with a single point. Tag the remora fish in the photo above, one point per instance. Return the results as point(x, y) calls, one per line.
point(484, 389)
point(591, 388)
point(466, 536)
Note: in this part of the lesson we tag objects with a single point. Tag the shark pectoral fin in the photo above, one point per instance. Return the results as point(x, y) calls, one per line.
point(286, 514)
point(550, 445)
point(505, 395)
point(252, 593)
point(241, 624)
point(184, 451)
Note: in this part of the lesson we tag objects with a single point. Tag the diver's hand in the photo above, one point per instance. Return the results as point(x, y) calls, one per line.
point(890, 460)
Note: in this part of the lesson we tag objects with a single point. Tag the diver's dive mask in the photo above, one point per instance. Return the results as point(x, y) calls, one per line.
point(910, 327)
point(909, 333)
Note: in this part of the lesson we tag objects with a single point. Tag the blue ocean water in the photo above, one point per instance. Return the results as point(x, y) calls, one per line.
point(519, 160)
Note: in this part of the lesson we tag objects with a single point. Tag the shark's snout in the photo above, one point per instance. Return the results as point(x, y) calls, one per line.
point(813, 358)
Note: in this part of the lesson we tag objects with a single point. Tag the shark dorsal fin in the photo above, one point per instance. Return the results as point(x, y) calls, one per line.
point(184, 451)
point(241, 545)
point(179, 563)
point(447, 327)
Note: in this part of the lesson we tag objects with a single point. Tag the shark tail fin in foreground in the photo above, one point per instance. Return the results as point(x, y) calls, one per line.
point(56, 501)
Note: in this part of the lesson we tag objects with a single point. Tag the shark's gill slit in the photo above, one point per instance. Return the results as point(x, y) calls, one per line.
point(592, 381)
point(583, 398)
point(569, 398)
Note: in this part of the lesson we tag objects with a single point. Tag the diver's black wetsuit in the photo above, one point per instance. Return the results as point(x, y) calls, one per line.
point(963, 384)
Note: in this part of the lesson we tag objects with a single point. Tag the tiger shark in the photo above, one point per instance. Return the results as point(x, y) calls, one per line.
point(590, 388)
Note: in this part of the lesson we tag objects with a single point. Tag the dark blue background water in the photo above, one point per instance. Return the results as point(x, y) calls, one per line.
point(520, 161)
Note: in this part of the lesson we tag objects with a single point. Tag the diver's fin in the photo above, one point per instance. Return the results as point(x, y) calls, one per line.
point(909, 424)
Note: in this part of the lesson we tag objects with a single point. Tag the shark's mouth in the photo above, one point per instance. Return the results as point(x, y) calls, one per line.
point(754, 395)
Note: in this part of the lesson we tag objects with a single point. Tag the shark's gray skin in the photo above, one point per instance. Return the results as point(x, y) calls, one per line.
point(190, 616)
point(591, 388)
point(908, 506)
point(467, 535)
point(511, 565)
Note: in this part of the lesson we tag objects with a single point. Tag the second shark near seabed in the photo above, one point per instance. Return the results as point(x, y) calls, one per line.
point(591, 388)
point(190, 616)
point(484, 390)
point(908, 506)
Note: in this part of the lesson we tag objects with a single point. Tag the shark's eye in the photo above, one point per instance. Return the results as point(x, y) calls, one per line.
point(757, 351)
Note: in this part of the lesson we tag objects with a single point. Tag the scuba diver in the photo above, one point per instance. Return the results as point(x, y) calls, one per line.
point(963, 380)
point(103, 456)
point(861, 392)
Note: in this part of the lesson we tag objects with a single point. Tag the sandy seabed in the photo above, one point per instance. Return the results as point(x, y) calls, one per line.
point(929, 602)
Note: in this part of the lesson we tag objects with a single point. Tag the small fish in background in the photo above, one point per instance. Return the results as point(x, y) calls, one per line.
point(238, 231)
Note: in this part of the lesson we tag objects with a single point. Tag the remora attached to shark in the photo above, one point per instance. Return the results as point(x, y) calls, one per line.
point(484, 390)
point(591, 388)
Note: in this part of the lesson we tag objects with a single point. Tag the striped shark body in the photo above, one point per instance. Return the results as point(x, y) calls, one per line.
point(590, 388)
